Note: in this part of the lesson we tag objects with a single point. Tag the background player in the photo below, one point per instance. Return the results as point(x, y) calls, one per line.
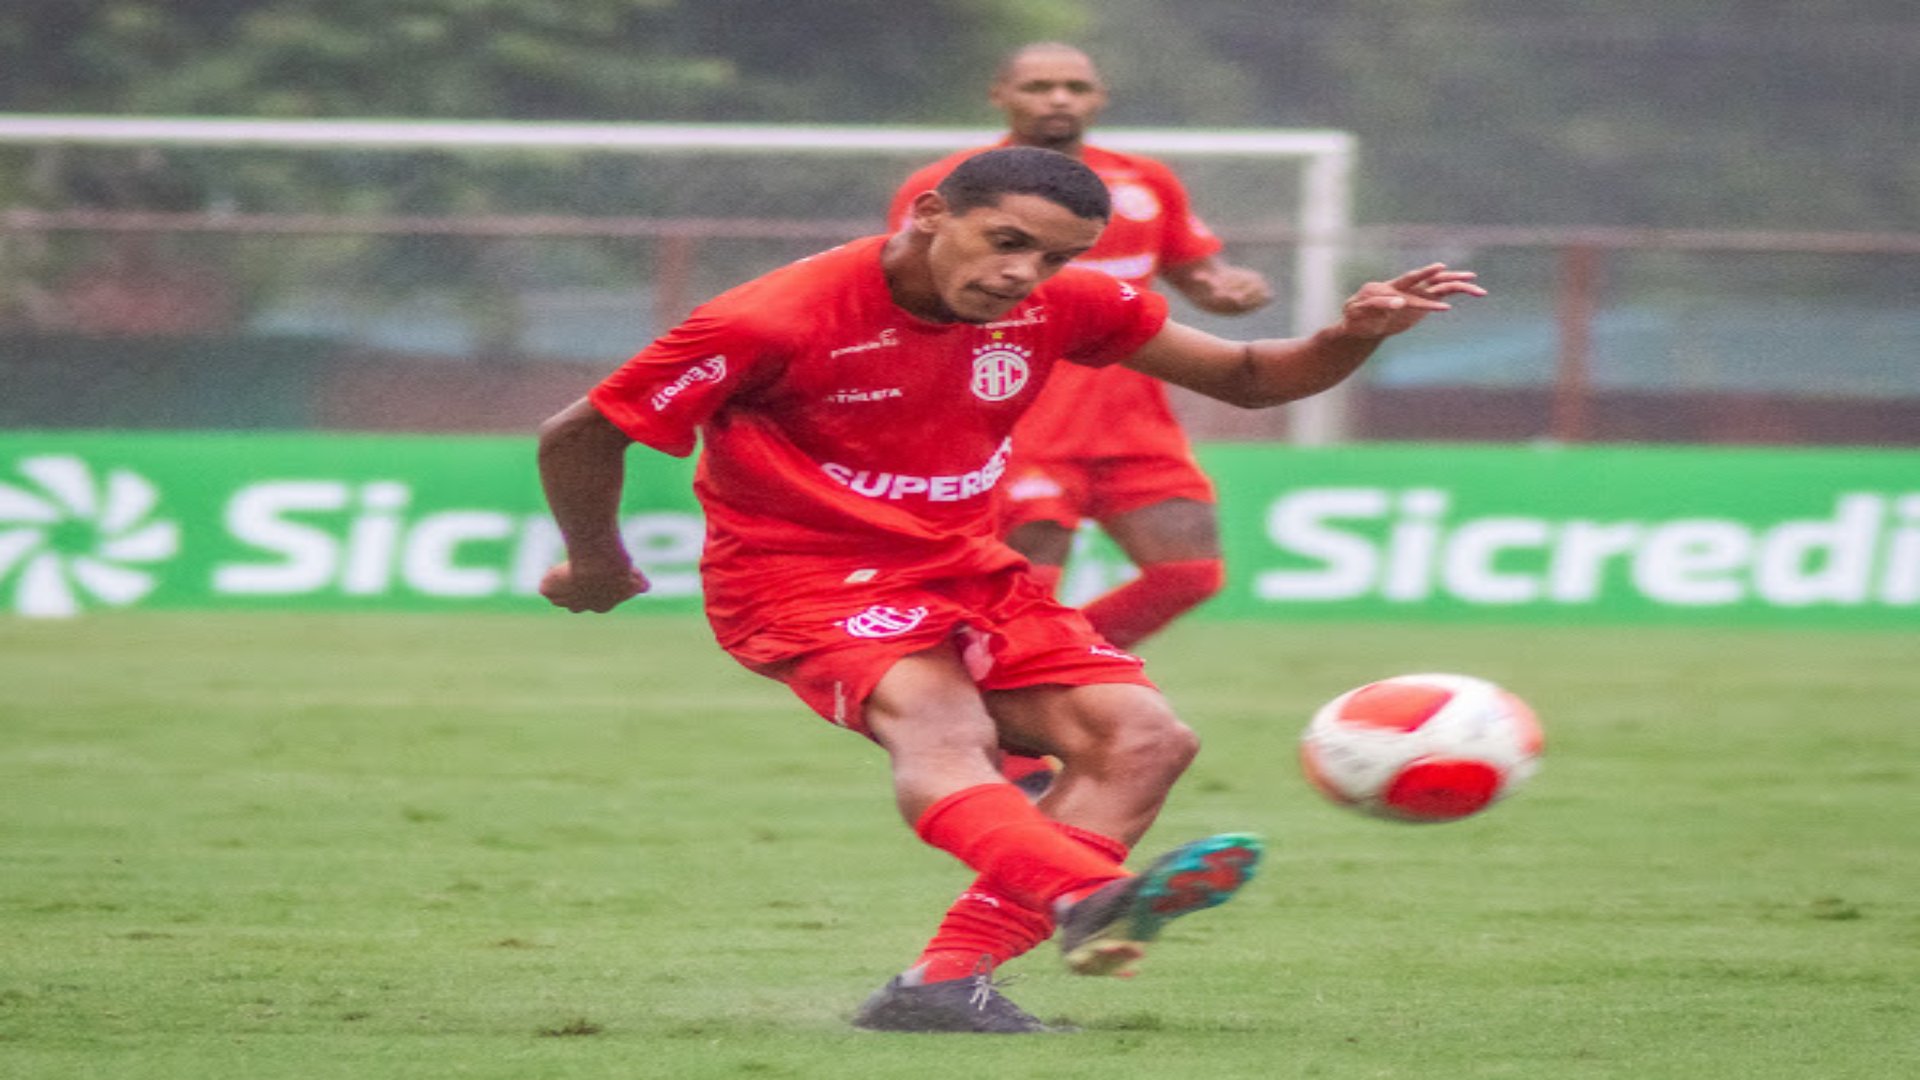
point(1103, 443)
point(853, 412)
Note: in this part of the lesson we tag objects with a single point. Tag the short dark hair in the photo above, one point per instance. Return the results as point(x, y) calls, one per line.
point(984, 178)
point(1012, 59)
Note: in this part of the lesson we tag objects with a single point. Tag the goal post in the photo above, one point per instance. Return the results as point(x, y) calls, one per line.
point(1311, 170)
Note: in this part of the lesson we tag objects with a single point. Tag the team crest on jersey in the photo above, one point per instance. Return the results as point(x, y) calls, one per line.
point(880, 621)
point(1135, 202)
point(1000, 371)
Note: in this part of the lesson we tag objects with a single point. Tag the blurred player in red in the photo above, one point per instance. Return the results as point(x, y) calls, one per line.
point(854, 413)
point(1103, 443)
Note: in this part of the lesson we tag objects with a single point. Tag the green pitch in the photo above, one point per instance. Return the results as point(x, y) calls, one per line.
point(554, 846)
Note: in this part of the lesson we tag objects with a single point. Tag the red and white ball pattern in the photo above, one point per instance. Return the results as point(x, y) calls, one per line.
point(1421, 747)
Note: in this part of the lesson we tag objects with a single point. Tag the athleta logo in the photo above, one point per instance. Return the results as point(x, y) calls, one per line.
point(881, 621)
point(999, 372)
point(712, 369)
point(854, 397)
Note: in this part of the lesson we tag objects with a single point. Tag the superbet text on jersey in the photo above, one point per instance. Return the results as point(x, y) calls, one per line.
point(841, 431)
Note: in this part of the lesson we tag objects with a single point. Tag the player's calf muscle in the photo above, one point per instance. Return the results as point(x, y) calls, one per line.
point(1110, 730)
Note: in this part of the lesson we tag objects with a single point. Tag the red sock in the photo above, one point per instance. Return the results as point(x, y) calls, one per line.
point(1163, 591)
point(984, 923)
point(1016, 766)
point(1018, 851)
point(981, 923)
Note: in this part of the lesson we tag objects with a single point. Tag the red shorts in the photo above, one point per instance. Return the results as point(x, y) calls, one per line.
point(1101, 489)
point(1097, 443)
point(831, 644)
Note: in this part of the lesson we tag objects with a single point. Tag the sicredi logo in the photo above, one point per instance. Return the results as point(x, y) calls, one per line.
point(75, 537)
point(1408, 546)
point(69, 538)
point(313, 537)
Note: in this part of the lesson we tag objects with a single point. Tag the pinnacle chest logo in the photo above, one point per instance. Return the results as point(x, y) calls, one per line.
point(69, 538)
point(1000, 371)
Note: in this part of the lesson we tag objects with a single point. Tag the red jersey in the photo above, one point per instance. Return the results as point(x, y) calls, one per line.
point(845, 436)
point(1153, 226)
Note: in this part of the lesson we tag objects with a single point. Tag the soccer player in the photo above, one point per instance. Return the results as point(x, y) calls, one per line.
point(853, 411)
point(1102, 443)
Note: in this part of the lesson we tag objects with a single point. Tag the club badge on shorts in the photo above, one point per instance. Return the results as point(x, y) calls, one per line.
point(881, 621)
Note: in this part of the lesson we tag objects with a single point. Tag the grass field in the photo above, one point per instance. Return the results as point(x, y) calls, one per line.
point(552, 846)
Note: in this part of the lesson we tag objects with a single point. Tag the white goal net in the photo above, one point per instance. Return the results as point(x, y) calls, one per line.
point(503, 250)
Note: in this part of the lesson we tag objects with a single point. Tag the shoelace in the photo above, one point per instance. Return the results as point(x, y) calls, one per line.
point(984, 984)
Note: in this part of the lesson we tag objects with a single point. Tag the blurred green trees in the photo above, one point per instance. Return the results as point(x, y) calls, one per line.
point(1708, 113)
point(524, 59)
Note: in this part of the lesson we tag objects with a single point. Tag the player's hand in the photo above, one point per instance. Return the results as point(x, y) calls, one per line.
point(1229, 290)
point(1384, 308)
point(592, 588)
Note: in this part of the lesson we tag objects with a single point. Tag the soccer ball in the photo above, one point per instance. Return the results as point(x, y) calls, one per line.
point(1421, 747)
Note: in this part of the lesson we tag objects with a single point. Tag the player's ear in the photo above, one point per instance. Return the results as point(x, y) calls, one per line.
point(928, 210)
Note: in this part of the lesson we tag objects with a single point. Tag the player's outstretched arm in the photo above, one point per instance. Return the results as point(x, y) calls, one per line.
point(1257, 374)
point(1218, 287)
point(582, 469)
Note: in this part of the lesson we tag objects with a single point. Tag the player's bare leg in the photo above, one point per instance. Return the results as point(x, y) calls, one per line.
point(1176, 545)
point(927, 713)
point(1121, 745)
point(1122, 749)
point(1046, 545)
point(930, 717)
point(1172, 530)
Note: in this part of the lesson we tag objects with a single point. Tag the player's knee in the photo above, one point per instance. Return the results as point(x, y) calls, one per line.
point(1044, 543)
point(1189, 582)
point(1150, 745)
